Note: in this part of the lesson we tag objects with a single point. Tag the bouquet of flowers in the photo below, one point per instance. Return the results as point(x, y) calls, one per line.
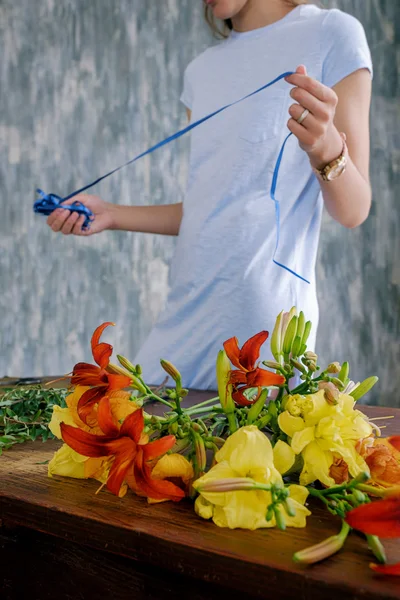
point(248, 458)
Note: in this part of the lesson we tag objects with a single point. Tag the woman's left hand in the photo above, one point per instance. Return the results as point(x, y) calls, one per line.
point(317, 133)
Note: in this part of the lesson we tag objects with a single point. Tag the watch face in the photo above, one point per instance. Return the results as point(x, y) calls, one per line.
point(336, 170)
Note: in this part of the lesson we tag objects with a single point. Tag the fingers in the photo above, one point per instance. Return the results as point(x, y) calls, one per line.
point(310, 122)
point(57, 218)
point(313, 87)
point(77, 228)
point(319, 109)
point(67, 222)
point(305, 137)
point(83, 198)
point(301, 70)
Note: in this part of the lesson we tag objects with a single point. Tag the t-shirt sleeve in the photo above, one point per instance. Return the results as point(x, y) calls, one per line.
point(344, 47)
point(187, 93)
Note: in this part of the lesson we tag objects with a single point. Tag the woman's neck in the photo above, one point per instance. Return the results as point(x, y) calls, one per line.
point(259, 13)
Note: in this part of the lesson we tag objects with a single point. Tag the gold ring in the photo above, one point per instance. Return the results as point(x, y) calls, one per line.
point(303, 116)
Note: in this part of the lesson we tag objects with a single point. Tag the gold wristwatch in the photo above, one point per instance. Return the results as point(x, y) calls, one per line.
point(337, 167)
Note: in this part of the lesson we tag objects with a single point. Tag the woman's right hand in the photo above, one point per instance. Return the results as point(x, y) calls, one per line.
point(67, 222)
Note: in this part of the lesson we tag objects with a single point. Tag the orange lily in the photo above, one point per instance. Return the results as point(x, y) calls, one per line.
point(382, 459)
point(381, 518)
point(248, 374)
point(395, 441)
point(100, 381)
point(132, 453)
point(386, 569)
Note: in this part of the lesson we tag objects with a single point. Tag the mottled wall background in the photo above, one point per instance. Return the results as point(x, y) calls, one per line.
point(85, 86)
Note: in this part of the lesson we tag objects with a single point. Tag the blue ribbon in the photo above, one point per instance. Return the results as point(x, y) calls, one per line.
point(47, 203)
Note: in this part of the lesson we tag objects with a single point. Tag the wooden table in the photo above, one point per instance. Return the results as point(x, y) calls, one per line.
point(59, 540)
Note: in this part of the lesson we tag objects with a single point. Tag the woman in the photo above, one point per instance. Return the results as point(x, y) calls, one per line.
point(223, 280)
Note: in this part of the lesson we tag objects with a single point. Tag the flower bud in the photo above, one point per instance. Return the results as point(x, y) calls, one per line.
point(201, 457)
point(364, 387)
point(334, 368)
point(376, 547)
point(296, 347)
point(126, 364)
point(257, 407)
point(358, 496)
point(173, 428)
point(297, 365)
point(276, 338)
point(290, 336)
point(230, 484)
point(223, 370)
point(344, 372)
point(311, 356)
point(279, 518)
point(271, 364)
point(331, 392)
point(289, 508)
point(324, 549)
point(171, 370)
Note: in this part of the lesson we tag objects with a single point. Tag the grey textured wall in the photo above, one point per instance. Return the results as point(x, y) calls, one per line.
point(85, 86)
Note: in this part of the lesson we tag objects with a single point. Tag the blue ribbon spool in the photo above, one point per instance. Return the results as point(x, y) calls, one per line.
point(47, 203)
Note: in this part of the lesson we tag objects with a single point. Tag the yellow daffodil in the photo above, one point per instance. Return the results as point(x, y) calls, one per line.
point(322, 433)
point(246, 454)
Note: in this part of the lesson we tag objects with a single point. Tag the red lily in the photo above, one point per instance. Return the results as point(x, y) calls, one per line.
point(381, 518)
point(386, 569)
point(395, 441)
point(98, 378)
point(248, 374)
point(130, 449)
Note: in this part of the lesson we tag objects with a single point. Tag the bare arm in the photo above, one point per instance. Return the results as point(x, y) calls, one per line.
point(164, 219)
point(348, 198)
point(343, 109)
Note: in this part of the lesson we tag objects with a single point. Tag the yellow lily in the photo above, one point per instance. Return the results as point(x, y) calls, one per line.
point(174, 467)
point(68, 463)
point(322, 433)
point(246, 454)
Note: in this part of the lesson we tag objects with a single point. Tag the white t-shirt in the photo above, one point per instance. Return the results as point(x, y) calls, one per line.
point(223, 280)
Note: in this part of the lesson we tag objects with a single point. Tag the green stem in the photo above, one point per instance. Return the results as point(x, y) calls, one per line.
point(369, 489)
point(300, 388)
point(197, 411)
point(209, 401)
point(317, 494)
point(152, 396)
point(178, 408)
point(232, 422)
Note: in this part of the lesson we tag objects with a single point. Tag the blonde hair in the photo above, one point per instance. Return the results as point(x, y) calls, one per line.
point(221, 29)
